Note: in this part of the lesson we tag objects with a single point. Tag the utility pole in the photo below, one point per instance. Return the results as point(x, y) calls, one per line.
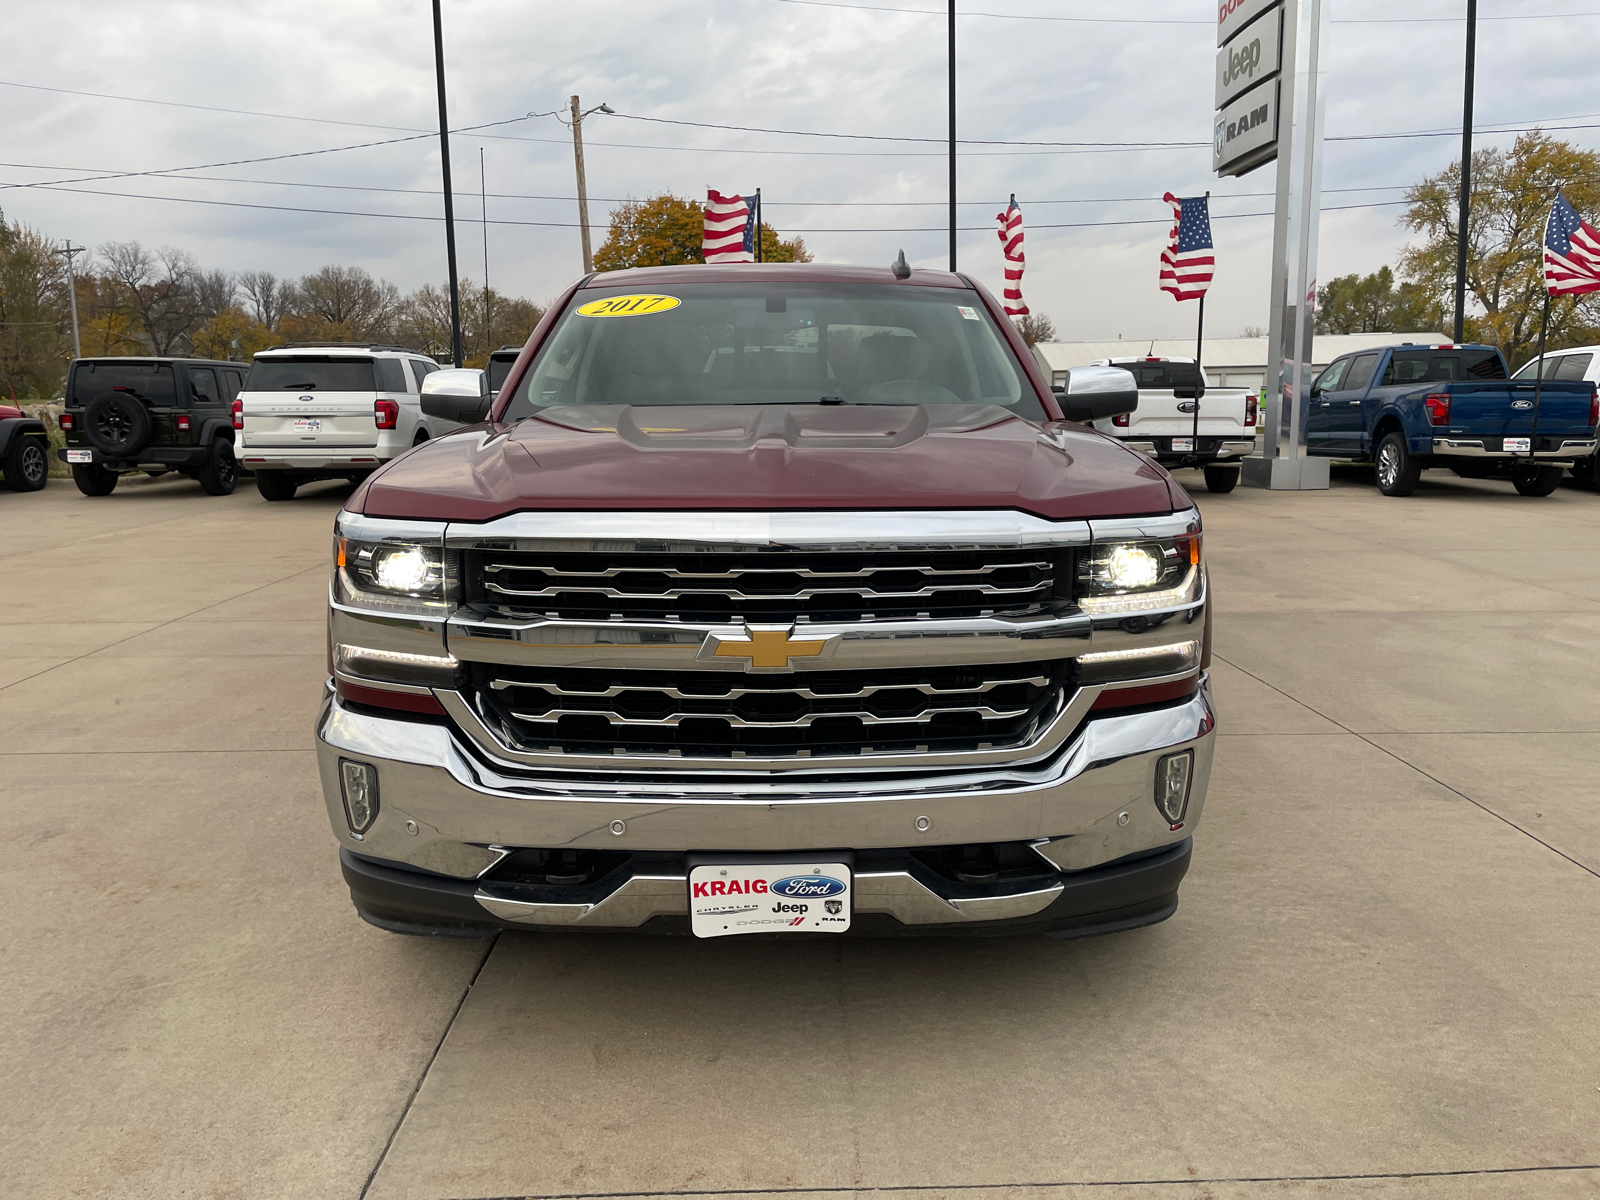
point(483, 199)
point(952, 91)
point(449, 196)
point(67, 252)
point(583, 184)
point(1466, 173)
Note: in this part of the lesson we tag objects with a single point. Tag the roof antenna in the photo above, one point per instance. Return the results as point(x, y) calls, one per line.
point(901, 268)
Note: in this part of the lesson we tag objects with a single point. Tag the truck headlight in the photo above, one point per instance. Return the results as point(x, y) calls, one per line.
point(393, 575)
point(1137, 576)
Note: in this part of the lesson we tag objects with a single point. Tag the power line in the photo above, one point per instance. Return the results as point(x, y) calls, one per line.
point(873, 137)
point(931, 12)
point(574, 224)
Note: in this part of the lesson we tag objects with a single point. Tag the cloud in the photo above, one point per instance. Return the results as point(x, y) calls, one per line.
point(750, 62)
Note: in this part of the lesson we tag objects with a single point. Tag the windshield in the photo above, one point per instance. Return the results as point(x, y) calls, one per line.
point(150, 382)
point(499, 368)
point(776, 343)
point(1442, 366)
point(311, 373)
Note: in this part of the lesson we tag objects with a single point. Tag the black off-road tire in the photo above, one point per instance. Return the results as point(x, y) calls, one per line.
point(1222, 479)
point(93, 480)
point(118, 425)
point(220, 475)
point(27, 464)
point(1542, 482)
point(1398, 472)
point(276, 485)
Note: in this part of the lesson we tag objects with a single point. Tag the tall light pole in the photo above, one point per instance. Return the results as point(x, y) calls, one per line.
point(583, 184)
point(67, 252)
point(449, 196)
point(952, 90)
point(1466, 173)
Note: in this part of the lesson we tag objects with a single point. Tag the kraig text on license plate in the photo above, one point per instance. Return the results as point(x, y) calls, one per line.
point(797, 896)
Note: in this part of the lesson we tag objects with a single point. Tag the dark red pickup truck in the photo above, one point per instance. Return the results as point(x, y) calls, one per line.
point(771, 599)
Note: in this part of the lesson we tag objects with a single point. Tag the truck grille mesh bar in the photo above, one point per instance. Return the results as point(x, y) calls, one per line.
point(764, 585)
point(818, 714)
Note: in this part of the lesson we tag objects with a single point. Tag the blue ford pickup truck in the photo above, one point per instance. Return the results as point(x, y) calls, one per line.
point(1408, 407)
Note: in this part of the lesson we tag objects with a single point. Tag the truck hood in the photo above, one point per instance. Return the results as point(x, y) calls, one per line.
point(769, 457)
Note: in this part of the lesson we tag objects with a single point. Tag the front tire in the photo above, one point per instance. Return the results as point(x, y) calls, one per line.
point(1222, 479)
point(1542, 482)
point(1398, 472)
point(93, 480)
point(220, 475)
point(276, 485)
point(27, 464)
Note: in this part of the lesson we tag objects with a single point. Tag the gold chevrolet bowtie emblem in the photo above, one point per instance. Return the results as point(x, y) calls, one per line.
point(767, 649)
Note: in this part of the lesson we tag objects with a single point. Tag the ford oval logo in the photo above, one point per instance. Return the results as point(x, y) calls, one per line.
point(1522, 404)
point(809, 886)
point(1188, 406)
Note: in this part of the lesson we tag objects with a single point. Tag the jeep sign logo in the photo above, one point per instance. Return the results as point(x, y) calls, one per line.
point(1246, 131)
point(1250, 57)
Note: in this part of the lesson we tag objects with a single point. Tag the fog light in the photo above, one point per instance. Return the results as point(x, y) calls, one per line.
point(359, 782)
point(1172, 786)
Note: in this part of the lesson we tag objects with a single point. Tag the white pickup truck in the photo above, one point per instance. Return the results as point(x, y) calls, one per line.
point(1176, 429)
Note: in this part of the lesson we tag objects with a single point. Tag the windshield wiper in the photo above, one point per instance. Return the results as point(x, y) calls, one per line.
point(298, 387)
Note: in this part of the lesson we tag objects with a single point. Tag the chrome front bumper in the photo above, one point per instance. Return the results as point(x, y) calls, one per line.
point(448, 808)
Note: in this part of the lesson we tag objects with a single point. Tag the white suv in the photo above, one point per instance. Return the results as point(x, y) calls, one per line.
point(322, 411)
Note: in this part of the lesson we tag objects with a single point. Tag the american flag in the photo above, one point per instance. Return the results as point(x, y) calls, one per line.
point(1571, 252)
point(1011, 247)
point(730, 229)
point(1187, 262)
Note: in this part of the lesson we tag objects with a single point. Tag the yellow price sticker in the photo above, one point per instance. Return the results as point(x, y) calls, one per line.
point(628, 306)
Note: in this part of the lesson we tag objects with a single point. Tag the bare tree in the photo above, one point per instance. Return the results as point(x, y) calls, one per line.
point(1036, 327)
point(214, 291)
point(161, 291)
point(347, 303)
point(268, 296)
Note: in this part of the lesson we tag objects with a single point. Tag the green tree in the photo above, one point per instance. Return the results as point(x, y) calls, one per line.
point(665, 231)
point(232, 334)
point(1511, 196)
point(35, 338)
point(1373, 304)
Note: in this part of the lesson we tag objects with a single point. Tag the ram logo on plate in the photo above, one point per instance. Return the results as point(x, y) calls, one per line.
point(811, 887)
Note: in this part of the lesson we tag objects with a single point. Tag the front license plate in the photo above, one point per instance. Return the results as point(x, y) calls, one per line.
point(83, 456)
point(1183, 443)
point(307, 425)
point(1512, 445)
point(769, 897)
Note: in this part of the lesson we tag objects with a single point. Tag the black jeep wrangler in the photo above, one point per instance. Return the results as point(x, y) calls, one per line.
point(153, 415)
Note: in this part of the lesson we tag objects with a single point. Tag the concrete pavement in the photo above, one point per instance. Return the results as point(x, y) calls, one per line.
point(1381, 980)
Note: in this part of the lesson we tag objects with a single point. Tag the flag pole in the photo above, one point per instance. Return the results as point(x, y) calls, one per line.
point(759, 257)
point(1199, 342)
point(1538, 378)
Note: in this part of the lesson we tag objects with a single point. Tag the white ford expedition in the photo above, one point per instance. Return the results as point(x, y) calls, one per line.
point(1212, 431)
point(330, 411)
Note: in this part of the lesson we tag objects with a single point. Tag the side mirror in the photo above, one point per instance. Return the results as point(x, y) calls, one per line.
point(457, 394)
point(1094, 393)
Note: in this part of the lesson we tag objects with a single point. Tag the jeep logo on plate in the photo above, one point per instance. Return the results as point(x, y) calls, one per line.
point(807, 885)
point(1522, 404)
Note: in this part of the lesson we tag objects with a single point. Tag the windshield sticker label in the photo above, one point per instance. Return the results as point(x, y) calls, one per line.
point(970, 314)
point(628, 306)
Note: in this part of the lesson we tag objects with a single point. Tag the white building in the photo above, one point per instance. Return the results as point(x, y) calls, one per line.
point(1228, 362)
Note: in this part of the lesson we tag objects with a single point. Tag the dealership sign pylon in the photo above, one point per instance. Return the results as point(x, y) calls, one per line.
point(1270, 99)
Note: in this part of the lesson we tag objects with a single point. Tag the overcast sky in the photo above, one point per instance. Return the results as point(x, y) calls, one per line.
point(1141, 72)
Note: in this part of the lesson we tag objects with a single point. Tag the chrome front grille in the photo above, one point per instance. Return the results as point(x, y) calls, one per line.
point(765, 585)
point(818, 713)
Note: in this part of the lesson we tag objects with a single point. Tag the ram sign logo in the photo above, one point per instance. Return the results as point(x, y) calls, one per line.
point(809, 887)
